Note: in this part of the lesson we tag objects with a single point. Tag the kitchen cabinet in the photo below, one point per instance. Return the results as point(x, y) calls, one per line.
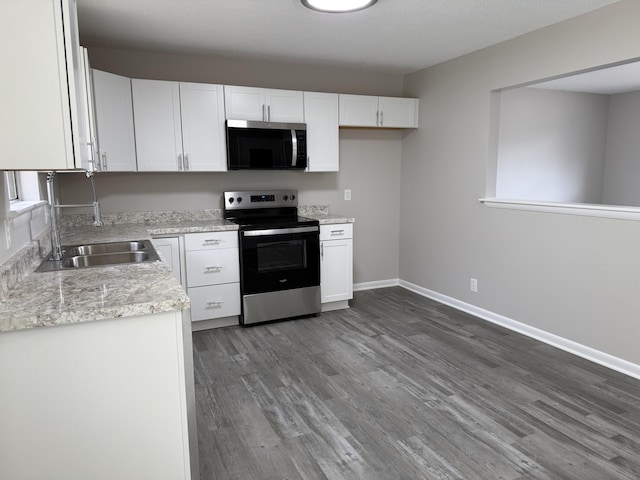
point(97, 400)
point(321, 117)
point(43, 115)
point(263, 104)
point(114, 123)
point(213, 278)
point(179, 126)
point(169, 248)
point(384, 112)
point(336, 265)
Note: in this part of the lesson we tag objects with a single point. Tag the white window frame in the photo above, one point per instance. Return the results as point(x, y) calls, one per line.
point(11, 182)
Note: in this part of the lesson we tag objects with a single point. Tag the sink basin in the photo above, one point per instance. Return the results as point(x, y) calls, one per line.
point(98, 248)
point(101, 259)
point(101, 254)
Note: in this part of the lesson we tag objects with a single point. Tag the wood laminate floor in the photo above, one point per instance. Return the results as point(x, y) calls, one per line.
point(402, 387)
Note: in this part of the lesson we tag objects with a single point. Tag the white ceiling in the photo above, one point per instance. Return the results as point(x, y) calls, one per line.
point(395, 36)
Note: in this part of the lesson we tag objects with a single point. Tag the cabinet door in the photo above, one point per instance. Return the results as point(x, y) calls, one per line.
point(203, 134)
point(358, 111)
point(212, 267)
point(321, 117)
point(156, 108)
point(114, 122)
point(284, 106)
point(244, 103)
point(214, 301)
point(396, 112)
point(169, 248)
point(336, 270)
point(38, 93)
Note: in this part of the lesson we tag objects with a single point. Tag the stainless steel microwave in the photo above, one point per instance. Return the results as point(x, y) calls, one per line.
point(266, 145)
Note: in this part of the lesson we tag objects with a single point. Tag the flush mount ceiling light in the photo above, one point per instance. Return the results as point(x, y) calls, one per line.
point(338, 6)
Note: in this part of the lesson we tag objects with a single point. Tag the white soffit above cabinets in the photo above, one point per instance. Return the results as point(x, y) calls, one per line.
point(394, 36)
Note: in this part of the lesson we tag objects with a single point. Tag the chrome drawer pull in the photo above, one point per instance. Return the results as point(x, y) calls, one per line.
point(214, 269)
point(214, 241)
point(337, 232)
point(215, 303)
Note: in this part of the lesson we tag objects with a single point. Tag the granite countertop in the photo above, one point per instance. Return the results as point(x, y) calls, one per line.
point(118, 291)
point(75, 296)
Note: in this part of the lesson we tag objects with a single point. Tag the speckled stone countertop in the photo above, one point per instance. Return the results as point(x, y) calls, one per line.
point(75, 296)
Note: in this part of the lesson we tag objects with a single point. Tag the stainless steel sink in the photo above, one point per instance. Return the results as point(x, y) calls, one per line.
point(98, 248)
point(101, 254)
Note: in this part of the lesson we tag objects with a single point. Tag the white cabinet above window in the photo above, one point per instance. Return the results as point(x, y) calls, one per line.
point(41, 96)
point(381, 112)
point(263, 104)
point(179, 126)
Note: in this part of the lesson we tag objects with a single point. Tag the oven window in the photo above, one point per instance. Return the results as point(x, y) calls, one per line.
point(282, 256)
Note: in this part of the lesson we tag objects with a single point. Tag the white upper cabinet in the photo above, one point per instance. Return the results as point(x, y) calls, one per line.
point(203, 134)
point(114, 123)
point(321, 116)
point(263, 104)
point(41, 98)
point(384, 112)
point(358, 111)
point(178, 126)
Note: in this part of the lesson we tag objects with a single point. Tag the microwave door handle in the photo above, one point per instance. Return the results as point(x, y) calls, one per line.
point(294, 148)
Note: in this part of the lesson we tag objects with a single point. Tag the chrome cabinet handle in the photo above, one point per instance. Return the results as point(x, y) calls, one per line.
point(104, 161)
point(179, 162)
point(263, 117)
point(186, 162)
point(321, 250)
point(215, 303)
point(337, 232)
point(268, 113)
point(382, 118)
point(211, 241)
point(377, 117)
point(214, 268)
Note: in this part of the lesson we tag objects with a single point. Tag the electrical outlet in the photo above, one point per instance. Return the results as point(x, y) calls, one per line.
point(347, 194)
point(473, 285)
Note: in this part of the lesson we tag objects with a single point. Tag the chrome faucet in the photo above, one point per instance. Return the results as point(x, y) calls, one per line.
point(56, 247)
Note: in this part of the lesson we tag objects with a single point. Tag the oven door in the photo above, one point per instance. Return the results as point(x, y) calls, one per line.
point(279, 259)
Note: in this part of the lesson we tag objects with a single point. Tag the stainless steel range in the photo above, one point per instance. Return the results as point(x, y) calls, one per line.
point(279, 255)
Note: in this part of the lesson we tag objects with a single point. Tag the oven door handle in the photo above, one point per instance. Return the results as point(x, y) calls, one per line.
point(279, 231)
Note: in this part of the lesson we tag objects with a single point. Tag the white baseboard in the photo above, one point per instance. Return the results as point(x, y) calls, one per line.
point(602, 358)
point(392, 282)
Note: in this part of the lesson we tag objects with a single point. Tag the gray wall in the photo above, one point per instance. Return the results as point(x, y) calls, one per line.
point(574, 276)
point(369, 159)
point(622, 165)
point(551, 145)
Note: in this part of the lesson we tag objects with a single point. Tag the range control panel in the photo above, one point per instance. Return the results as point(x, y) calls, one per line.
point(260, 199)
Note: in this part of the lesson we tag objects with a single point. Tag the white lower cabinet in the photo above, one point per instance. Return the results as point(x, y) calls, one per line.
point(213, 278)
point(169, 247)
point(336, 265)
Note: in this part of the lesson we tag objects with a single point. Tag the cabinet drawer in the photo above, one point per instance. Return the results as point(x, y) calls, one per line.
point(332, 232)
point(214, 301)
point(207, 267)
point(211, 240)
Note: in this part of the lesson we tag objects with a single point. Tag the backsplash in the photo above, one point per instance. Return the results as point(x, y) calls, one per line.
point(146, 218)
point(313, 210)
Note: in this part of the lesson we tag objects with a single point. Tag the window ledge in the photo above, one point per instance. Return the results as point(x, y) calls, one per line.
point(21, 207)
point(583, 209)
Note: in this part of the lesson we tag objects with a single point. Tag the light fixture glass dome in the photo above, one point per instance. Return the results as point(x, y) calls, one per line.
point(338, 6)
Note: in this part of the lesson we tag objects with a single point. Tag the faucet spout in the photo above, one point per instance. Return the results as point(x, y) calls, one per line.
point(56, 248)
